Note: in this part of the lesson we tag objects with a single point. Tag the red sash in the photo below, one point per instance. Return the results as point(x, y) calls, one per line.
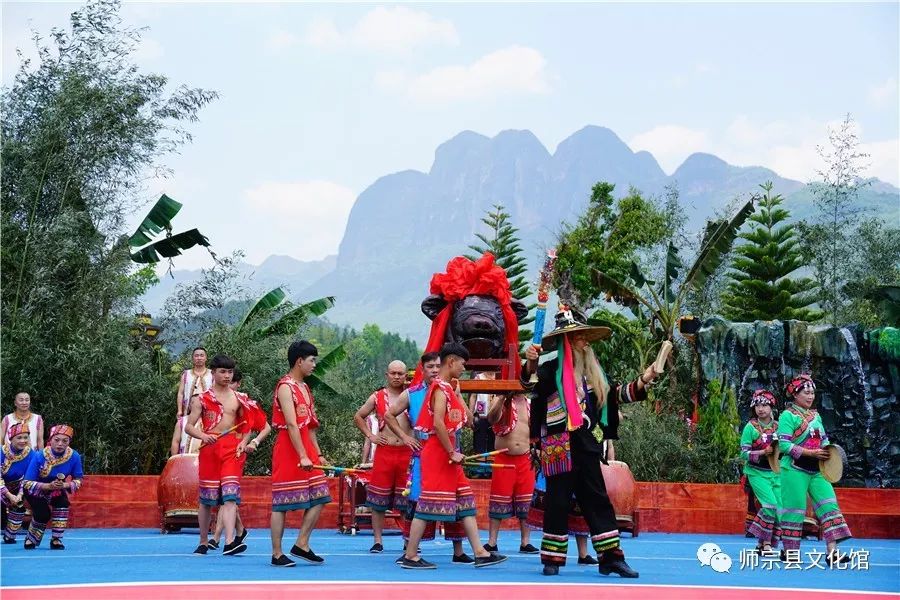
point(304, 409)
point(381, 406)
point(509, 417)
point(455, 417)
point(249, 411)
point(805, 420)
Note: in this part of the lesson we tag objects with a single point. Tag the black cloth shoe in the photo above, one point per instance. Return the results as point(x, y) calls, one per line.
point(551, 570)
point(487, 561)
point(57, 545)
point(201, 549)
point(283, 561)
point(376, 549)
point(620, 567)
point(240, 538)
point(490, 548)
point(9, 540)
point(233, 548)
point(307, 555)
point(587, 560)
point(29, 545)
point(400, 558)
point(463, 559)
point(212, 545)
point(417, 564)
point(528, 549)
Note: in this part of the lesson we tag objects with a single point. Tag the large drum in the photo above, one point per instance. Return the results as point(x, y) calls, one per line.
point(622, 491)
point(178, 492)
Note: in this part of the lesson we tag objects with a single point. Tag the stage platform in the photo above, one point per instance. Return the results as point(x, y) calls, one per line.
point(139, 564)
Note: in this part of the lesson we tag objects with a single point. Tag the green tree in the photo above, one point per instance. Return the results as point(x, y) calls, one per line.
point(873, 277)
point(761, 287)
point(502, 240)
point(827, 242)
point(81, 128)
point(606, 237)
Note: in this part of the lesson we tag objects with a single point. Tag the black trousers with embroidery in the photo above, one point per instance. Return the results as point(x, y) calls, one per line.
point(585, 481)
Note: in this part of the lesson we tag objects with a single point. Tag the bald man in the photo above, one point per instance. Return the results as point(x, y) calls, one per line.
point(392, 456)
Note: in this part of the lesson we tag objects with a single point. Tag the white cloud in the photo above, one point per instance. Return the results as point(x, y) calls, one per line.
point(313, 212)
point(671, 144)
point(884, 94)
point(516, 69)
point(397, 29)
point(885, 160)
point(786, 147)
point(281, 40)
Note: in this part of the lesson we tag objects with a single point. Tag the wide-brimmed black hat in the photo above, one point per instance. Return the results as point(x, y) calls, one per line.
point(569, 320)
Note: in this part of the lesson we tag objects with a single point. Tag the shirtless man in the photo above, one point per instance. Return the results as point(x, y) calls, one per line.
point(388, 478)
point(511, 489)
point(222, 455)
point(410, 403)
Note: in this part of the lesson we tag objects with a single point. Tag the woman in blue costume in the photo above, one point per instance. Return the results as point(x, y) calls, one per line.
point(52, 475)
point(17, 455)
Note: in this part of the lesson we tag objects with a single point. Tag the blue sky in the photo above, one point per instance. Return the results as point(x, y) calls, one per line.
point(319, 100)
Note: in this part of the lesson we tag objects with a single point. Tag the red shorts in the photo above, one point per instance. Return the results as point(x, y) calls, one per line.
point(511, 489)
point(446, 494)
point(220, 471)
point(387, 481)
point(294, 488)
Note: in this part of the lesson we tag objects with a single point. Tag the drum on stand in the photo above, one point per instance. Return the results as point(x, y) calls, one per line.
point(177, 492)
point(622, 491)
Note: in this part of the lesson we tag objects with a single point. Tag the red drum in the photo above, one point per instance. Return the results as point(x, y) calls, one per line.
point(178, 492)
point(622, 491)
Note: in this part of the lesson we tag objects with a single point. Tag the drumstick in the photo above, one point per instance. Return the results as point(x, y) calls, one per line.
point(226, 432)
point(490, 465)
point(484, 454)
point(338, 469)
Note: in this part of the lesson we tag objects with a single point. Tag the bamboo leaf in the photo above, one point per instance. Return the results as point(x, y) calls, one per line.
point(170, 247)
point(158, 219)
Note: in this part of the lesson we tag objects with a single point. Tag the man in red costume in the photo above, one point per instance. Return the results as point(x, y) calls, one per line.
point(446, 494)
point(227, 417)
point(296, 485)
point(388, 477)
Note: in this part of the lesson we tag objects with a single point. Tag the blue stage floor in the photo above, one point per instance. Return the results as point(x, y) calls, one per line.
point(145, 556)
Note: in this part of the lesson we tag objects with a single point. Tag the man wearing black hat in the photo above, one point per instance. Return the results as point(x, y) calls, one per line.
point(571, 398)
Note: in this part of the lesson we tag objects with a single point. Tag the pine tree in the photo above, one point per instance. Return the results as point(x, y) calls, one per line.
point(760, 286)
point(502, 240)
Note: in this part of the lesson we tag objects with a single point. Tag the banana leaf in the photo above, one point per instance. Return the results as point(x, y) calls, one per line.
point(718, 239)
point(290, 322)
point(170, 246)
point(673, 265)
point(619, 291)
point(158, 219)
point(323, 366)
point(264, 305)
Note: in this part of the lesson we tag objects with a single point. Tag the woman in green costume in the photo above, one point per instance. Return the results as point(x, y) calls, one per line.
point(802, 440)
point(757, 444)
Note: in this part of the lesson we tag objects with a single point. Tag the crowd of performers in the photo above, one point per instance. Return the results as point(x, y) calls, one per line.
point(547, 473)
point(36, 476)
point(781, 485)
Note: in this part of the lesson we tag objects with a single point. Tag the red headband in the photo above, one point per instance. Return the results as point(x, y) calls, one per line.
point(18, 429)
point(62, 430)
point(800, 383)
point(763, 397)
